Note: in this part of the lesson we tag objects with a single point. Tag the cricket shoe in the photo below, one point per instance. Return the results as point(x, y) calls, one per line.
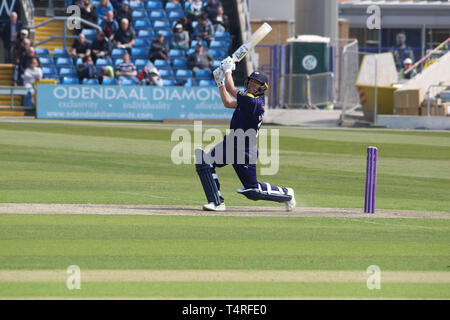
point(212, 207)
point(290, 205)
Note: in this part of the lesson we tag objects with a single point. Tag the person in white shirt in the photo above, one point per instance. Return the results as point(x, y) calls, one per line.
point(32, 74)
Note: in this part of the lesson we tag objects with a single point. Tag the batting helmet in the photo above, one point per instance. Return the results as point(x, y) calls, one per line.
point(261, 77)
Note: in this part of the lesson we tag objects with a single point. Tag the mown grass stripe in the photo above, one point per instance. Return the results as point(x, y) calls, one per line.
point(187, 290)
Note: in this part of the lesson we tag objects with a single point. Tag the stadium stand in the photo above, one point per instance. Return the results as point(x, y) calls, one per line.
point(149, 19)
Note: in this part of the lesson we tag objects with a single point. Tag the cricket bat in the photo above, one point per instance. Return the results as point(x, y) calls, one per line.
point(256, 37)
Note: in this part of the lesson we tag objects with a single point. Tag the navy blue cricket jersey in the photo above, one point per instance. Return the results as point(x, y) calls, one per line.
point(248, 113)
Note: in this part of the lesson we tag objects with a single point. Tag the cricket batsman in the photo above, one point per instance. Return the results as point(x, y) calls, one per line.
point(239, 148)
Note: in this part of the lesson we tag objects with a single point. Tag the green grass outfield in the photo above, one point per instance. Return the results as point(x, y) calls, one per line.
point(198, 245)
point(130, 164)
point(67, 163)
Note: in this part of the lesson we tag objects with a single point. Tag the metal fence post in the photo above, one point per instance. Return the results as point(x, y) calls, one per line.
point(375, 103)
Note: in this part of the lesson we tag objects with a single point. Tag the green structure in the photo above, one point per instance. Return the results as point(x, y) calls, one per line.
point(310, 54)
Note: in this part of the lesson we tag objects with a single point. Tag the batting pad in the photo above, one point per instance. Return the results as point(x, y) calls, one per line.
point(205, 174)
point(256, 194)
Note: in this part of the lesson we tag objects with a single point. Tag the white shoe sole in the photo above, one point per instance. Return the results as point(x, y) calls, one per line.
point(213, 207)
point(290, 205)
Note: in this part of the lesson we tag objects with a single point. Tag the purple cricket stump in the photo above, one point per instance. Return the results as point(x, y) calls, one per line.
point(371, 180)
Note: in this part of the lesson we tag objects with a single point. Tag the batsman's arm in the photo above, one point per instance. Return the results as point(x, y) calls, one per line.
point(227, 101)
point(229, 84)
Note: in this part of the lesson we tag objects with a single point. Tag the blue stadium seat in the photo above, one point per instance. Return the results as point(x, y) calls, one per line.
point(79, 61)
point(176, 54)
point(146, 34)
point(60, 53)
point(222, 36)
point(46, 61)
point(117, 53)
point(141, 25)
point(69, 80)
point(109, 81)
point(167, 33)
point(90, 34)
point(67, 72)
point(218, 54)
point(154, 5)
point(183, 74)
point(207, 83)
point(188, 82)
point(216, 64)
point(43, 52)
point(219, 45)
point(139, 14)
point(157, 15)
point(139, 53)
point(137, 5)
point(142, 43)
point(174, 7)
point(168, 82)
point(194, 43)
point(90, 81)
point(160, 24)
point(103, 62)
point(179, 63)
point(162, 64)
point(117, 62)
point(166, 73)
point(203, 74)
point(63, 62)
point(175, 15)
point(128, 82)
point(140, 64)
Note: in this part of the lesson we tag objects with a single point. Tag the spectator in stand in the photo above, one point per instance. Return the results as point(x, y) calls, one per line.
point(220, 20)
point(100, 48)
point(211, 8)
point(159, 49)
point(149, 76)
point(32, 74)
point(18, 47)
point(109, 26)
point(200, 59)
point(125, 37)
point(86, 70)
point(180, 38)
point(196, 9)
point(204, 30)
point(11, 32)
point(80, 48)
point(125, 11)
point(88, 13)
point(106, 72)
point(21, 60)
point(187, 25)
point(126, 70)
point(103, 8)
point(25, 60)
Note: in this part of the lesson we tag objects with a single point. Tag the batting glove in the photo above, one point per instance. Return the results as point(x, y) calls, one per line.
point(228, 65)
point(219, 77)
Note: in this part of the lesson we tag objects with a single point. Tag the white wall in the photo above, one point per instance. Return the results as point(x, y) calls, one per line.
point(272, 9)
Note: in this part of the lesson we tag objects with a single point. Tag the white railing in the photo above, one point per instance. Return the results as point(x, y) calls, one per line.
point(65, 36)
